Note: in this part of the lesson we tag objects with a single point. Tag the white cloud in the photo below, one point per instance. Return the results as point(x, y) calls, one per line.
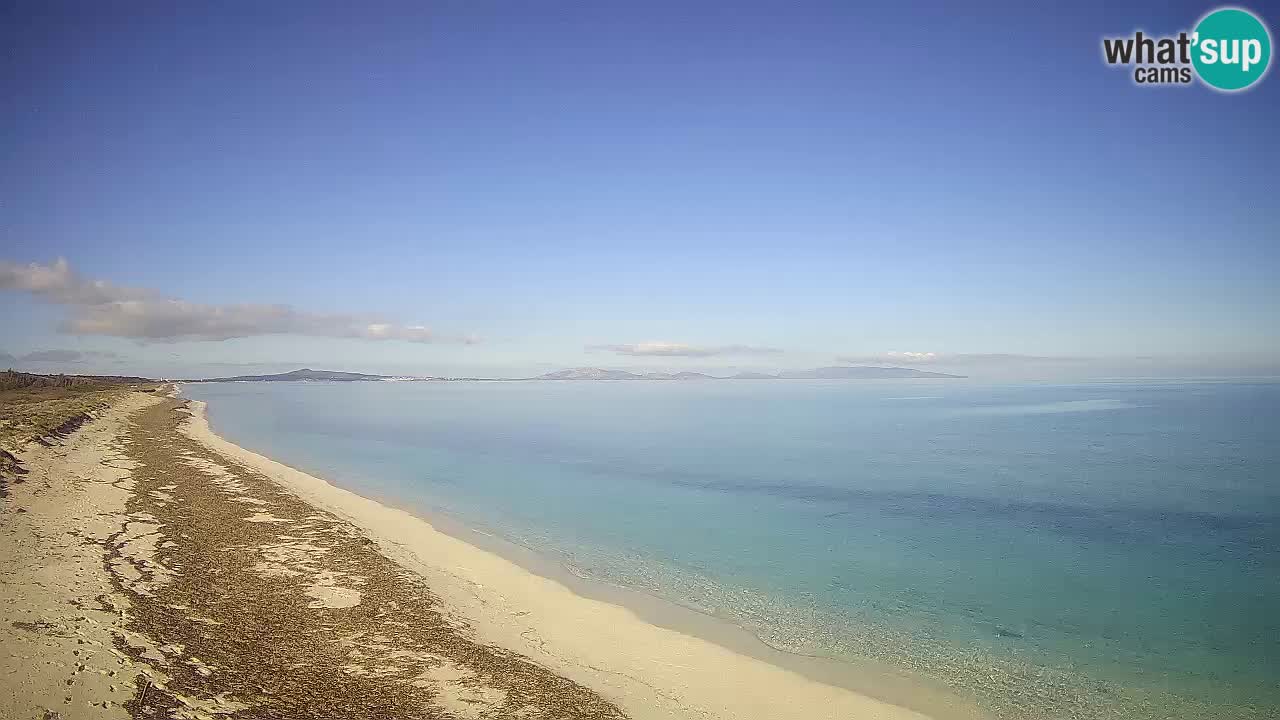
point(669, 349)
point(68, 356)
point(58, 283)
point(99, 308)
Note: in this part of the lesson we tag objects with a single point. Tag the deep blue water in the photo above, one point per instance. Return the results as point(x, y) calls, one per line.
point(1094, 550)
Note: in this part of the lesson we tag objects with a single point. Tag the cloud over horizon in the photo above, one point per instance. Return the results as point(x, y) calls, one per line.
point(61, 356)
point(98, 307)
point(669, 349)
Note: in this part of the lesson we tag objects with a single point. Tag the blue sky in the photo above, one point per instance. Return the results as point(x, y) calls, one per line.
point(818, 179)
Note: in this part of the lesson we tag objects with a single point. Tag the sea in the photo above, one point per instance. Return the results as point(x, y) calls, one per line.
point(1087, 550)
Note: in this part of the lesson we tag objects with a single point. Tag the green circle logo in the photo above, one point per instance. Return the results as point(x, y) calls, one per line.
point(1232, 49)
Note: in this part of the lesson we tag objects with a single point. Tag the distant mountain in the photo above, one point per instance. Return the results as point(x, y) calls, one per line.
point(860, 372)
point(679, 376)
point(825, 373)
point(602, 374)
point(589, 374)
point(306, 374)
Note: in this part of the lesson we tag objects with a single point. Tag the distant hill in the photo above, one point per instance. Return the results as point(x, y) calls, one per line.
point(302, 375)
point(602, 374)
point(849, 372)
point(590, 373)
point(860, 372)
point(679, 376)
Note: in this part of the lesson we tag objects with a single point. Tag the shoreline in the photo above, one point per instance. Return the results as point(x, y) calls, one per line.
point(147, 576)
point(566, 613)
point(870, 678)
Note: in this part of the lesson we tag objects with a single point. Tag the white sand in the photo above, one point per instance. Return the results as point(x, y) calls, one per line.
point(651, 672)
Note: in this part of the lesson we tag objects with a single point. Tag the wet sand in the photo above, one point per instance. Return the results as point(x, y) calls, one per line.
point(153, 569)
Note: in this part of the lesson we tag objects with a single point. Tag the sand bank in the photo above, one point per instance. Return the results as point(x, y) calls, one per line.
point(649, 671)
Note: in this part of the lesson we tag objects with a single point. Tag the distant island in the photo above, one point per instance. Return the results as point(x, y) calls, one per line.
point(853, 372)
point(311, 375)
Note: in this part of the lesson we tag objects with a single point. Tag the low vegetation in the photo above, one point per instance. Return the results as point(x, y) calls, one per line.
point(36, 407)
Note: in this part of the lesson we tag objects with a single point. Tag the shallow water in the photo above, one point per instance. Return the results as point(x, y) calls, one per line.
point(1097, 550)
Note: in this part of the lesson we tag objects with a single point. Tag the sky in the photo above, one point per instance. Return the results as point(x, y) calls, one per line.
point(480, 188)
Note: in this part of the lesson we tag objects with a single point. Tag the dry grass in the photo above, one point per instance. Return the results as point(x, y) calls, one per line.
point(33, 407)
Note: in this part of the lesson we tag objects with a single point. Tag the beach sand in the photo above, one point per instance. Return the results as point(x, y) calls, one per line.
point(62, 614)
point(154, 569)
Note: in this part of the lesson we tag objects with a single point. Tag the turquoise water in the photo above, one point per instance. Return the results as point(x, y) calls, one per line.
point(1056, 551)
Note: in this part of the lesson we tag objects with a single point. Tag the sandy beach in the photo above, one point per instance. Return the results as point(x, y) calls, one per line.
point(153, 569)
